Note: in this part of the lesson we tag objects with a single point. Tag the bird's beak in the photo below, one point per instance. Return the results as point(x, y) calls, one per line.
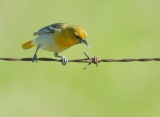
point(85, 42)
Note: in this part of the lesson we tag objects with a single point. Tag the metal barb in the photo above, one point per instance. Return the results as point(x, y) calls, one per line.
point(87, 56)
point(92, 60)
point(96, 61)
point(87, 66)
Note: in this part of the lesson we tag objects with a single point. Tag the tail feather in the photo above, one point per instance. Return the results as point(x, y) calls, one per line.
point(27, 45)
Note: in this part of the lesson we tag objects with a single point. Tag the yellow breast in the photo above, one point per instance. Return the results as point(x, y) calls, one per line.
point(65, 40)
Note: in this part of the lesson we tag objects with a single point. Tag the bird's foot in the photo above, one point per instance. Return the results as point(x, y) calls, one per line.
point(35, 58)
point(64, 60)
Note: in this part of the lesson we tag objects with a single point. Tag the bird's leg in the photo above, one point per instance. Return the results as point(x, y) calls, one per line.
point(35, 55)
point(64, 59)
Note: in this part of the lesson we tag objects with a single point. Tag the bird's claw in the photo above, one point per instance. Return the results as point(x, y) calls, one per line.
point(64, 60)
point(35, 58)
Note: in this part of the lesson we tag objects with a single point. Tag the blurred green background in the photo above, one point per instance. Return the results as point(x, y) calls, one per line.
point(116, 29)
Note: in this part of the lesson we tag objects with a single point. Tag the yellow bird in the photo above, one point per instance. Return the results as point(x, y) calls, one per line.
point(57, 38)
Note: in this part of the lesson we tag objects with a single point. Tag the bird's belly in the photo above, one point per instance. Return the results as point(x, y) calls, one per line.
point(48, 43)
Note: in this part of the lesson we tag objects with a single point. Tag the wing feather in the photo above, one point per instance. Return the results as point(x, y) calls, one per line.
point(50, 29)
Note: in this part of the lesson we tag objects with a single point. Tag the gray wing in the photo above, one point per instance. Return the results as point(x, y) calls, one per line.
point(49, 29)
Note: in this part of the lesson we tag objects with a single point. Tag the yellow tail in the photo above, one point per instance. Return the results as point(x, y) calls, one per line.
point(27, 45)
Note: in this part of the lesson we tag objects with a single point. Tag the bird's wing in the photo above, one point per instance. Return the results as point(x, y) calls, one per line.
point(50, 29)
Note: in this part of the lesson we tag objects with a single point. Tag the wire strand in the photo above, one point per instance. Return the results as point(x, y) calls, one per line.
point(88, 60)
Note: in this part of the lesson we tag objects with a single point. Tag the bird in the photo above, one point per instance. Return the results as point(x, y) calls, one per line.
point(56, 38)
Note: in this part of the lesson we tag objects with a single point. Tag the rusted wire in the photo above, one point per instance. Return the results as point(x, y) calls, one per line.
point(88, 60)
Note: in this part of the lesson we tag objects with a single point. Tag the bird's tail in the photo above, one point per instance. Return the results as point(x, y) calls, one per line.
point(28, 45)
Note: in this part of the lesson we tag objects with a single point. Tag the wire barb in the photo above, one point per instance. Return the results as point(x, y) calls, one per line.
point(88, 60)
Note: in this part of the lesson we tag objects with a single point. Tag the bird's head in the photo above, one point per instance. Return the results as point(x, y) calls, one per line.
point(79, 34)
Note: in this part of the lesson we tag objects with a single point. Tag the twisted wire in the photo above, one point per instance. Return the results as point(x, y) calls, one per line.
point(88, 60)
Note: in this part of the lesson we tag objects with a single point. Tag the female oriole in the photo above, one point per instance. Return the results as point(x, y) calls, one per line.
point(57, 38)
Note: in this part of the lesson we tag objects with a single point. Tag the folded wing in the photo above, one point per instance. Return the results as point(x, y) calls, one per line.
point(50, 29)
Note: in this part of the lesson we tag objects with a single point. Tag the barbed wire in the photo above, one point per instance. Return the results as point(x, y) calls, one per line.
point(88, 60)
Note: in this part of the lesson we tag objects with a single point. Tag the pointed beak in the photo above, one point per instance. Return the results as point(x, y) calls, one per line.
point(85, 42)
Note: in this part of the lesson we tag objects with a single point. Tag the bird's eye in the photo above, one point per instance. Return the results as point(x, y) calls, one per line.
point(77, 37)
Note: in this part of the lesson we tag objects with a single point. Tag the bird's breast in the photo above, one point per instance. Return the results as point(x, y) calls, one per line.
point(48, 42)
point(65, 40)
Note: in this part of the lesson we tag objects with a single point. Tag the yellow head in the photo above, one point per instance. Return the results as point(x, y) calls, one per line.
point(78, 34)
point(71, 35)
